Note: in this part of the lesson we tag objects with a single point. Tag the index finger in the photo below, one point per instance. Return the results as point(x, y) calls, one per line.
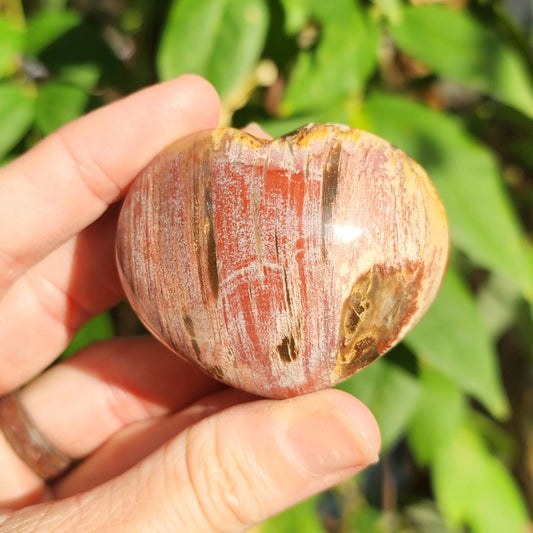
point(69, 179)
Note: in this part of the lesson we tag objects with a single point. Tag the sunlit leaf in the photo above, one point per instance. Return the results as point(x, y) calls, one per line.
point(451, 338)
point(340, 65)
point(279, 127)
point(460, 47)
point(390, 392)
point(221, 40)
point(58, 104)
point(17, 108)
point(497, 302)
point(302, 518)
point(97, 329)
point(296, 14)
point(475, 489)
point(82, 75)
point(391, 8)
point(11, 45)
point(366, 519)
point(482, 221)
point(46, 26)
point(438, 414)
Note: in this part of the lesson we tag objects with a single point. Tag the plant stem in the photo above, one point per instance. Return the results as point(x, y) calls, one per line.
point(13, 11)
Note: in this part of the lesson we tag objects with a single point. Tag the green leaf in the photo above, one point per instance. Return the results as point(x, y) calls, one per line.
point(97, 329)
point(302, 518)
point(17, 108)
point(280, 127)
point(522, 149)
point(475, 489)
point(80, 55)
point(390, 392)
point(497, 303)
point(482, 221)
point(55, 4)
point(46, 26)
point(529, 255)
point(440, 409)
point(11, 45)
point(391, 8)
point(452, 339)
point(58, 104)
point(221, 40)
point(82, 75)
point(341, 64)
point(366, 519)
point(459, 47)
point(425, 517)
point(296, 14)
point(344, 112)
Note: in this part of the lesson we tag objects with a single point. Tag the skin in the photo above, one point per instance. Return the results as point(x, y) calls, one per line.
point(160, 445)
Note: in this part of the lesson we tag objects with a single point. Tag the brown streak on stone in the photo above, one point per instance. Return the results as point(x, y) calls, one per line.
point(351, 321)
point(363, 345)
point(286, 349)
point(189, 328)
point(363, 352)
point(211, 244)
point(287, 294)
point(330, 179)
point(216, 371)
point(196, 348)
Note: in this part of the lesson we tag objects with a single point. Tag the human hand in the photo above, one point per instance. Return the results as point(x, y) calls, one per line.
point(159, 445)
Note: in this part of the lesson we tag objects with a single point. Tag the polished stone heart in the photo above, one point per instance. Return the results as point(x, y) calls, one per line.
point(281, 267)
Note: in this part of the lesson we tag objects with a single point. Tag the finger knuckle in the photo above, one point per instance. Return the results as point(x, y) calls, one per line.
point(222, 487)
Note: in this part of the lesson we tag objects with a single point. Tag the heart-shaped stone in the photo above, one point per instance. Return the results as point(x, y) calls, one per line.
point(281, 267)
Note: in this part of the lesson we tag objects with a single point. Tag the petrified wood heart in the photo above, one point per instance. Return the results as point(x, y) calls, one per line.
point(281, 267)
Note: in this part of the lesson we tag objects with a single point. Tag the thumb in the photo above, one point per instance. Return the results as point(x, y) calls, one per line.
point(232, 470)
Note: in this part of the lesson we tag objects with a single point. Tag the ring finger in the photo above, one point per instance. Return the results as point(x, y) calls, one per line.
point(80, 403)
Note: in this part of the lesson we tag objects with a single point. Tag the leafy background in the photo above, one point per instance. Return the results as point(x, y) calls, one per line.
point(451, 83)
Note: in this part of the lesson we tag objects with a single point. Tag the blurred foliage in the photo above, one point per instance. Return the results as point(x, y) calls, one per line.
point(451, 83)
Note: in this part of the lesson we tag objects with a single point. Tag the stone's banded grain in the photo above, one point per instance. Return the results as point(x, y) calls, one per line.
point(282, 267)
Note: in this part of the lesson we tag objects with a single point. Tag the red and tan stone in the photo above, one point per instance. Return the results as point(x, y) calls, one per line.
point(284, 266)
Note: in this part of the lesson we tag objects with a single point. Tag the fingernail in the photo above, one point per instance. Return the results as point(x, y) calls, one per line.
point(330, 441)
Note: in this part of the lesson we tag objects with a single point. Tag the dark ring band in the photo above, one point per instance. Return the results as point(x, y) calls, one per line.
point(27, 441)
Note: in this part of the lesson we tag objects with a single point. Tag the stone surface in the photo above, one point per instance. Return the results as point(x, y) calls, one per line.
point(282, 266)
